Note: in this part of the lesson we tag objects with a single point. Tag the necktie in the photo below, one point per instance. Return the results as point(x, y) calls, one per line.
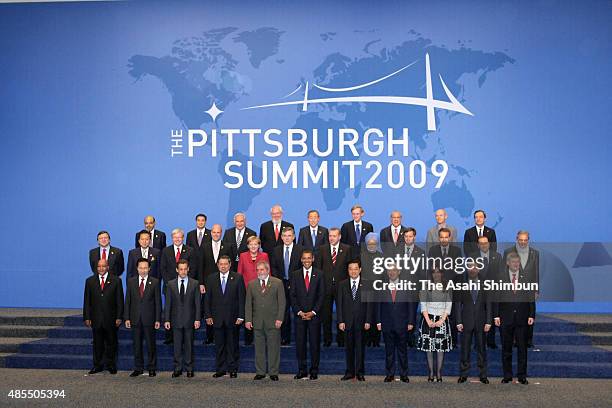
point(223, 284)
point(334, 254)
point(102, 283)
point(358, 233)
point(408, 251)
point(151, 240)
point(178, 254)
point(182, 290)
point(354, 290)
point(216, 254)
point(514, 282)
point(276, 232)
point(393, 294)
point(141, 287)
point(144, 253)
point(314, 238)
point(444, 252)
point(480, 232)
point(200, 235)
point(286, 260)
point(239, 240)
point(104, 254)
point(263, 285)
point(395, 235)
point(474, 294)
point(307, 280)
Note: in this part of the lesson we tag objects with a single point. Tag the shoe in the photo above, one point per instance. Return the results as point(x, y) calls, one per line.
point(299, 376)
point(389, 378)
point(112, 370)
point(430, 379)
point(506, 380)
point(484, 380)
point(523, 381)
point(347, 377)
point(168, 341)
point(285, 342)
point(95, 370)
point(530, 345)
point(152, 373)
point(189, 374)
point(360, 378)
point(259, 377)
point(233, 374)
point(136, 373)
point(177, 374)
point(209, 341)
point(492, 345)
point(438, 379)
point(274, 377)
point(376, 344)
point(462, 380)
point(219, 374)
point(326, 343)
point(404, 379)
point(314, 376)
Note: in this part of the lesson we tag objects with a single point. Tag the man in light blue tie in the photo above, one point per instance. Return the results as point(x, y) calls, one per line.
point(313, 236)
point(353, 232)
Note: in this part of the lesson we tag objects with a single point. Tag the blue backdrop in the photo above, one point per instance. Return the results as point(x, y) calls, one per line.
point(91, 92)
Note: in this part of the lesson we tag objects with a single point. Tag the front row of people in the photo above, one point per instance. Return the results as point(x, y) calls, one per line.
point(261, 308)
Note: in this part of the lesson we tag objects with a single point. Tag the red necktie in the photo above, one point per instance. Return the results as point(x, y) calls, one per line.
point(178, 254)
point(514, 282)
point(141, 287)
point(102, 283)
point(395, 236)
point(307, 280)
point(104, 254)
point(393, 293)
point(276, 232)
point(334, 256)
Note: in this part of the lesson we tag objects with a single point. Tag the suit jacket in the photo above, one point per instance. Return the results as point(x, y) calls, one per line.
point(230, 237)
point(183, 314)
point(473, 315)
point(168, 262)
point(135, 254)
point(354, 312)
point(192, 238)
point(116, 264)
point(349, 237)
point(266, 235)
point(146, 309)
point(532, 267)
point(264, 308)
point(305, 239)
point(278, 261)
point(103, 307)
point(396, 315)
point(509, 305)
point(159, 240)
point(453, 252)
point(224, 308)
point(432, 235)
point(493, 267)
point(470, 239)
point(386, 239)
point(303, 300)
point(333, 273)
point(420, 272)
point(208, 265)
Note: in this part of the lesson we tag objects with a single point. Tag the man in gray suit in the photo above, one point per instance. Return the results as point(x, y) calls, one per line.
point(264, 312)
point(182, 315)
point(432, 233)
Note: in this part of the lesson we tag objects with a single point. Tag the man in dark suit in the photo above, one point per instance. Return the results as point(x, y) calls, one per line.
point(158, 238)
point(474, 317)
point(416, 271)
point(182, 315)
point(396, 318)
point(270, 231)
point(307, 292)
point(333, 260)
point(514, 313)
point(224, 311)
point(492, 265)
point(354, 232)
point(111, 254)
point(355, 314)
point(102, 311)
point(143, 251)
point(530, 264)
point(197, 237)
point(391, 237)
point(313, 235)
point(169, 258)
point(238, 236)
point(285, 259)
point(470, 238)
point(143, 315)
point(444, 250)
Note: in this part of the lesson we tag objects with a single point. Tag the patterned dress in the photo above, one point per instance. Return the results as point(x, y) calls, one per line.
point(436, 303)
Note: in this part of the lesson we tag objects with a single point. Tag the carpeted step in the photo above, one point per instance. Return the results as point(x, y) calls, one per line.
point(11, 344)
point(25, 331)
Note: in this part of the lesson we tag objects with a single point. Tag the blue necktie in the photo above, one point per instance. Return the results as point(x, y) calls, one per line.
point(314, 238)
point(286, 262)
point(358, 233)
point(474, 295)
point(354, 289)
point(223, 284)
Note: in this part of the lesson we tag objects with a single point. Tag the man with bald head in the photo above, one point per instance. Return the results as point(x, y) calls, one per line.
point(432, 234)
point(270, 231)
point(158, 238)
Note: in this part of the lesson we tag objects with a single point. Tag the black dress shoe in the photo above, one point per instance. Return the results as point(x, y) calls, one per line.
point(189, 374)
point(430, 379)
point(360, 378)
point(233, 374)
point(523, 381)
point(389, 378)
point(152, 373)
point(299, 376)
point(404, 379)
point(285, 342)
point(347, 377)
point(136, 373)
point(529, 345)
point(168, 341)
point(439, 379)
point(219, 374)
point(259, 377)
point(484, 380)
point(248, 343)
point(314, 376)
point(462, 379)
point(274, 377)
point(177, 374)
point(506, 380)
point(327, 344)
point(95, 370)
point(112, 370)
point(209, 341)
